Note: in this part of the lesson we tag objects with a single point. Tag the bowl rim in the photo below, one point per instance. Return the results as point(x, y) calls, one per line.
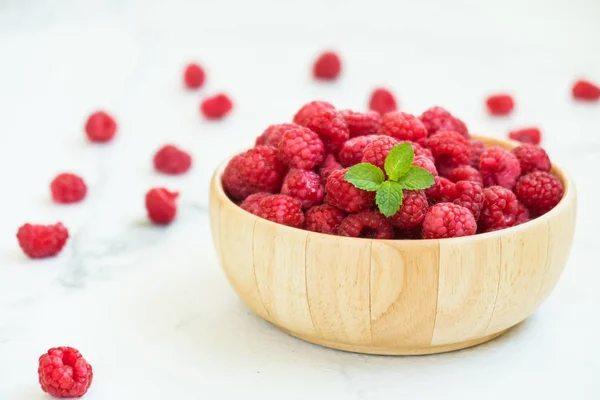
point(569, 196)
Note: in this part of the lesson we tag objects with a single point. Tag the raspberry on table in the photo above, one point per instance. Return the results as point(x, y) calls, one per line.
point(532, 158)
point(499, 166)
point(281, 209)
point(477, 147)
point(376, 151)
point(328, 66)
point(273, 134)
point(353, 149)
point(449, 148)
point(366, 224)
point(526, 135)
point(425, 163)
point(344, 195)
point(465, 173)
point(193, 76)
point(585, 91)
point(250, 203)
point(361, 124)
point(41, 241)
point(100, 127)
point(63, 372)
point(382, 101)
point(470, 196)
point(443, 190)
point(324, 219)
point(331, 128)
point(437, 119)
point(447, 220)
point(539, 191)
point(68, 188)
point(500, 104)
point(161, 206)
point(170, 159)
point(412, 211)
point(402, 126)
point(329, 165)
point(216, 107)
point(305, 186)
point(301, 148)
point(500, 208)
point(523, 215)
point(310, 109)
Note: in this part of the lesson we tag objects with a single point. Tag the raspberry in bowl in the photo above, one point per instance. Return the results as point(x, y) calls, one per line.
point(387, 261)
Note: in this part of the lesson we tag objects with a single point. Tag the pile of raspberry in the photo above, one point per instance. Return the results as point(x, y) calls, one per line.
point(294, 175)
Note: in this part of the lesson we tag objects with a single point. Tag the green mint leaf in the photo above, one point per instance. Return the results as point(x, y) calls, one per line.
point(389, 198)
point(399, 161)
point(416, 178)
point(365, 176)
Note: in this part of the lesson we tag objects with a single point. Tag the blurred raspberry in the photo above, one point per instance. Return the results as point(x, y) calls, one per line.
point(449, 148)
point(526, 135)
point(522, 215)
point(193, 76)
point(437, 119)
point(477, 147)
point(329, 165)
point(273, 134)
point(41, 241)
point(366, 224)
point(161, 206)
point(500, 104)
point(216, 107)
point(443, 190)
point(361, 124)
point(382, 101)
point(100, 127)
point(425, 163)
point(68, 188)
point(585, 91)
point(328, 66)
point(170, 159)
point(465, 173)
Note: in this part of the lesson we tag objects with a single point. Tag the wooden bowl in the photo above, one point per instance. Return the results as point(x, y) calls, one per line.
point(392, 296)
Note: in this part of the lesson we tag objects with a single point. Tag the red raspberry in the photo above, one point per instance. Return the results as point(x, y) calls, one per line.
point(193, 76)
point(100, 127)
point(305, 186)
point(522, 215)
point(250, 204)
point(447, 220)
point(366, 224)
point(344, 195)
point(382, 101)
point(500, 104)
point(539, 191)
point(425, 163)
point(329, 165)
point(256, 170)
point(361, 124)
point(419, 150)
point(328, 66)
point(477, 147)
point(324, 218)
point(413, 210)
point(465, 173)
point(301, 148)
point(376, 151)
point(532, 158)
point(63, 372)
point(500, 208)
point(68, 188)
point(41, 241)
point(499, 167)
point(438, 119)
point(470, 196)
point(331, 127)
point(585, 91)
point(443, 190)
point(170, 159)
point(216, 107)
point(273, 134)
point(161, 206)
point(450, 148)
point(402, 126)
point(353, 149)
point(281, 209)
point(526, 135)
point(309, 109)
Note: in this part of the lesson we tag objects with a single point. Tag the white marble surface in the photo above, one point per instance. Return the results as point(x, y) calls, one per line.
point(149, 307)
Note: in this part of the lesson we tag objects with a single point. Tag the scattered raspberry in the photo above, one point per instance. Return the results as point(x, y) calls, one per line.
point(305, 186)
point(361, 124)
point(41, 241)
point(477, 147)
point(522, 215)
point(382, 101)
point(250, 204)
point(376, 151)
point(526, 135)
point(499, 167)
point(425, 163)
point(63, 372)
point(450, 148)
point(353, 149)
point(465, 173)
point(301, 148)
point(273, 134)
point(470, 196)
point(100, 127)
point(68, 188)
point(331, 128)
point(539, 191)
point(193, 77)
point(443, 190)
point(161, 206)
point(344, 195)
point(170, 159)
point(413, 210)
point(216, 107)
point(281, 209)
point(256, 170)
point(585, 91)
point(366, 224)
point(329, 165)
point(447, 220)
point(438, 119)
point(328, 66)
point(324, 219)
point(500, 208)
point(402, 126)
point(500, 104)
point(310, 109)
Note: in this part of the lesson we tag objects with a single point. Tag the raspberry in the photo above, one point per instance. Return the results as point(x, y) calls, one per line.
point(449, 148)
point(329, 165)
point(63, 372)
point(344, 195)
point(522, 215)
point(366, 224)
point(281, 209)
point(273, 134)
point(419, 150)
point(100, 127)
point(539, 191)
point(425, 163)
point(161, 206)
point(68, 188)
point(256, 170)
point(376, 151)
point(304, 186)
point(408, 234)
point(193, 76)
point(310, 109)
point(301, 148)
point(361, 124)
point(382, 101)
point(526, 135)
point(331, 127)
point(470, 196)
point(437, 119)
point(447, 220)
point(324, 218)
point(250, 204)
point(328, 66)
point(443, 190)
point(465, 173)
point(413, 210)
point(353, 149)
point(532, 158)
point(41, 241)
point(402, 126)
point(170, 159)
point(585, 91)
point(500, 208)
point(477, 147)
point(499, 167)
point(216, 107)
point(500, 104)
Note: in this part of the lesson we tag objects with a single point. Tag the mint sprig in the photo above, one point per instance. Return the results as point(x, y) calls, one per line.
point(402, 175)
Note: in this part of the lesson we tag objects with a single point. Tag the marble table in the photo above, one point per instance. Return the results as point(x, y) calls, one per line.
point(148, 306)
